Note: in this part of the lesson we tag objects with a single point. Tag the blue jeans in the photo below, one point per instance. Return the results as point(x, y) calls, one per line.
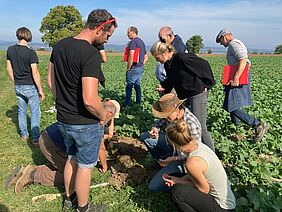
point(133, 79)
point(240, 115)
point(82, 142)
point(158, 147)
point(157, 183)
point(198, 105)
point(28, 95)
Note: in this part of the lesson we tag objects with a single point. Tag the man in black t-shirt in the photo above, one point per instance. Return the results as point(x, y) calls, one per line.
point(74, 73)
point(23, 72)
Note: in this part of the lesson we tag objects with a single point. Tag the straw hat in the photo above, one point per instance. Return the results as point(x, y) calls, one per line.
point(117, 106)
point(166, 105)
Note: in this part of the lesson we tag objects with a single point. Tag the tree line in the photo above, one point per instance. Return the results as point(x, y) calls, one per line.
point(66, 21)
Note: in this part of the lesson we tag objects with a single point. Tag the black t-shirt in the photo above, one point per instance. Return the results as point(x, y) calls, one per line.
point(74, 59)
point(21, 58)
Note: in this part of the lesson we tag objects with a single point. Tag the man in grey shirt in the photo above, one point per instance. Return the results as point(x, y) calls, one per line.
point(236, 95)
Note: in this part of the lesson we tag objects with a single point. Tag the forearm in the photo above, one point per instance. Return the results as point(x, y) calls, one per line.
point(145, 58)
point(37, 79)
point(11, 74)
point(111, 128)
point(10, 70)
point(130, 59)
point(241, 68)
point(96, 110)
point(91, 99)
point(129, 63)
point(51, 78)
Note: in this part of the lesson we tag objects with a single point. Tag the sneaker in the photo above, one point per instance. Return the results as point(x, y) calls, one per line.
point(70, 205)
point(16, 173)
point(25, 179)
point(96, 208)
point(260, 131)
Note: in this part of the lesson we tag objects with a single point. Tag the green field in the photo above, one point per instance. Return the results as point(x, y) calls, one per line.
point(254, 169)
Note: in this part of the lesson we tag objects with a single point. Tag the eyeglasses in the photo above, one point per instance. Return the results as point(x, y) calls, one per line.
point(107, 22)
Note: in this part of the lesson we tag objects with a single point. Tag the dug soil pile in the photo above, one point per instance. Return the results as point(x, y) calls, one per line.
point(129, 162)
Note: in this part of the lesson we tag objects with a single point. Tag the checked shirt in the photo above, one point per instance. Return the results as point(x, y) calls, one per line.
point(192, 122)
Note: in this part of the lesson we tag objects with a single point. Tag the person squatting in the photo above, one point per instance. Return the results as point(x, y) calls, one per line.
point(178, 141)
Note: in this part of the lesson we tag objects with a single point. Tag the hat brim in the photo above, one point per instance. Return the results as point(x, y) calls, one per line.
point(218, 38)
point(156, 110)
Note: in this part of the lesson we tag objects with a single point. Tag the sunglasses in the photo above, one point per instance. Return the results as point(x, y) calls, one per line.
point(107, 22)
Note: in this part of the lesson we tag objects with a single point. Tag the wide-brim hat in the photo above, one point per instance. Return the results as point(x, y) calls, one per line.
point(166, 105)
point(117, 106)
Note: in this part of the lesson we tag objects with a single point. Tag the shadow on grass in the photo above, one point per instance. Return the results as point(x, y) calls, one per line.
point(153, 202)
point(3, 208)
point(13, 114)
point(37, 156)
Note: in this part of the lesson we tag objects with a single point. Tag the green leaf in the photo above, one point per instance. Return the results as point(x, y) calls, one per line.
point(242, 201)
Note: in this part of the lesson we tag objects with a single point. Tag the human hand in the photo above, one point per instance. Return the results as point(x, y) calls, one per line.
point(166, 161)
point(154, 133)
point(169, 180)
point(159, 88)
point(41, 96)
point(234, 83)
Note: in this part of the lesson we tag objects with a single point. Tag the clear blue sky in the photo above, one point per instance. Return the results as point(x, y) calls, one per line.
point(257, 23)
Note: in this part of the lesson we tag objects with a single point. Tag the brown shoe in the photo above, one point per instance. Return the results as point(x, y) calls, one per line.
point(260, 131)
point(25, 179)
point(14, 176)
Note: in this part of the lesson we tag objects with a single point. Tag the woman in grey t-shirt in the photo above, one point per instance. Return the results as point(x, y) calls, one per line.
point(205, 187)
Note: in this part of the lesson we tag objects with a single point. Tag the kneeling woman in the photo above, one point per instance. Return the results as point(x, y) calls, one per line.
point(205, 187)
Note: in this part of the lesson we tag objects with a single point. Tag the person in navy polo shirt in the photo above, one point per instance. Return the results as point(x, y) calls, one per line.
point(135, 65)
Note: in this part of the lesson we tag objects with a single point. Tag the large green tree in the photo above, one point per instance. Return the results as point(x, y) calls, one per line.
point(60, 22)
point(195, 43)
point(278, 49)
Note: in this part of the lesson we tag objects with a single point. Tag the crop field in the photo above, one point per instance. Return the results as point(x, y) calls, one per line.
point(254, 169)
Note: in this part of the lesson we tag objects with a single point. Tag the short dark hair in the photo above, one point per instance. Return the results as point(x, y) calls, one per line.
point(24, 33)
point(98, 17)
point(133, 29)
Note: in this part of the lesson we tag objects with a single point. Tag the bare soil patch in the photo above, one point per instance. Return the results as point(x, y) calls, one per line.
point(129, 162)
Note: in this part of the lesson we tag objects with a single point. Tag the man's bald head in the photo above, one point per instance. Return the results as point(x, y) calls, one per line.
point(166, 34)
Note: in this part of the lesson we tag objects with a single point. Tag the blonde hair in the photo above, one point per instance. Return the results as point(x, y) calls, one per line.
point(161, 47)
point(178, 133)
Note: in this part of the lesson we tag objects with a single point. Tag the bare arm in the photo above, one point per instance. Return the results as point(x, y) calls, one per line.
point(130, 59)
point(240, 70)
point(196, 167)
point(111, 128)
point(145, 58)
point(37, 80)
point(103, 55)
point(10, 70)
point(51, 78)
point(91, 99)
